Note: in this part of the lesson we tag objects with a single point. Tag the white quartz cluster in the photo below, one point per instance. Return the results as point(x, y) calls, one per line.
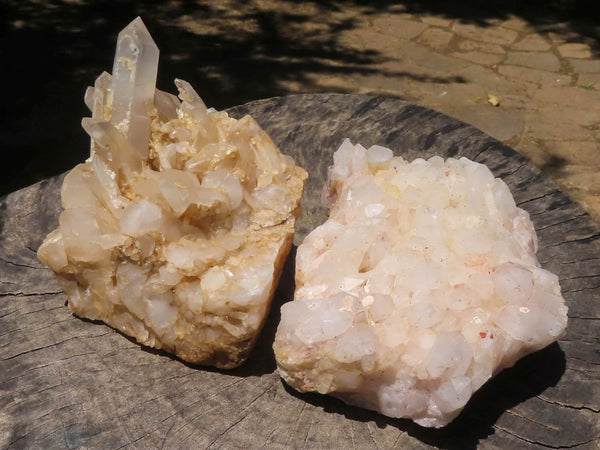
point(175, 230)
point(421, 285)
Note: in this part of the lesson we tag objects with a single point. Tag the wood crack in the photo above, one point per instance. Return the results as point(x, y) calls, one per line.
point(566, 405)
point(560, 223)
point(397, 439)
point(167, 396)
point(268, 388)
point(21, 265)
point(506, 175)
point(295, 424)
point(226, 431)
point(520, 416)
point(485, 148)
point(579, 341)
point(584, 371)
point(16, 440)
point(26, 214)
point(21, 374)
point(202, 400)
point(271, 434)
point(28, 294)
point(6, 315)
point(32, 250)
point(136, 440)
point(592, 288)
point(584, 318)
point(542, 444)
point(164, 441)
point(35, 330)
point(371, 435)
point(584, 360)
point(578, 277)
point(591, 238)
point(44, 310)
point(77, 355)
point(307, 434)
point(579, 260)
point(33, 350)
point(534, 199)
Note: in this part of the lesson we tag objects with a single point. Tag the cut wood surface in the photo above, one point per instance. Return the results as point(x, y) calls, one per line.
point(67, 382)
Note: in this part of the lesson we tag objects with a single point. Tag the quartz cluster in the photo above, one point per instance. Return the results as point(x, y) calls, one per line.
point(421, 285)
point(175, 230)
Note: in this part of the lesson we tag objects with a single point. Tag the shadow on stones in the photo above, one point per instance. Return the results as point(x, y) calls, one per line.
point(528, 378)
point(571, 20)
point(231, 52)
point(52, 50)
point(554, 165)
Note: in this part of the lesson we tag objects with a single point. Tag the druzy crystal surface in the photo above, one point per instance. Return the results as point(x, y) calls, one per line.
point(175, 230)
point(421, 285)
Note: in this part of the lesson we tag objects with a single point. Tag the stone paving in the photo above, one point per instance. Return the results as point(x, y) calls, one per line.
point(547, 86)
point(543, 75)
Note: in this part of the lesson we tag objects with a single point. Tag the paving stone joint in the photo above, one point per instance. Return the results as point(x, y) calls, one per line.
point(547, 84)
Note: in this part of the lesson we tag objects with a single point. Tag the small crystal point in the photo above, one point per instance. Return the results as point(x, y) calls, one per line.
point(90, 92)
point(192, 103)
point(111, 146)
point(102, 90)
point(166, 105)
point(133, 83)
point(187, 93)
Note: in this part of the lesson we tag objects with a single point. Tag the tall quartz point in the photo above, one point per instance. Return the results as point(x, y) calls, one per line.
point(421, 285)
point(175, 230)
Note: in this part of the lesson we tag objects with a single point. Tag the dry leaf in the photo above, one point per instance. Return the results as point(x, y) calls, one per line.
point(495, 101)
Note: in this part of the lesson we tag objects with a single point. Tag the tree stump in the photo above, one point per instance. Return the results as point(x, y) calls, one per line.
point(67, 382)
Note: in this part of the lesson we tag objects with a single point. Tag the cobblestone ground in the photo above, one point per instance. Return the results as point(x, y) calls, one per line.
point(544, 78)
point(530, 79)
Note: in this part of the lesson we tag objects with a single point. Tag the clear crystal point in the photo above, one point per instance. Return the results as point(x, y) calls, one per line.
point(133, 83)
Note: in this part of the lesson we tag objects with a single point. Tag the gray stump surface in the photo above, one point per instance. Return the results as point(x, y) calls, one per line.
point(67, 382)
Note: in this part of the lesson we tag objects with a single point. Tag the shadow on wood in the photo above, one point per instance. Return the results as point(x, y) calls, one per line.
point(528, 378)
point(261, 360)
